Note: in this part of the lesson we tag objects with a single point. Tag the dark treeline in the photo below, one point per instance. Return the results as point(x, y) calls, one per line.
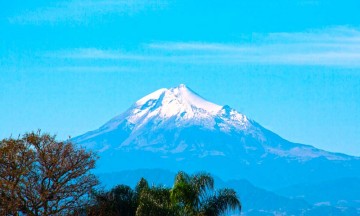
point(41, 176)
point(190, 195)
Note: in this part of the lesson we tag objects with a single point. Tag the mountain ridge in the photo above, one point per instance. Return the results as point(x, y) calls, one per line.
point(176, 128)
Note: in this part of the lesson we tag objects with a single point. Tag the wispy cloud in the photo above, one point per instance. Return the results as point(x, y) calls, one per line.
point(336, 46)
point(116, 56)
point(82, 10)
point(94, 53)
point(91, 69)
point(330, 47)
point(197, 46)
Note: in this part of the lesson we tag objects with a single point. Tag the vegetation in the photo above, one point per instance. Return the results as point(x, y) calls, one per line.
point(191, 195)
point(41, 176)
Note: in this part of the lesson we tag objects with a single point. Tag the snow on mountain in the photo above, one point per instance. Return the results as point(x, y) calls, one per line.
point(181, 107)
point(179, 129)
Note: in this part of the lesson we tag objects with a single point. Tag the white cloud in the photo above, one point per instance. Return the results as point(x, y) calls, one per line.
point(196, 46)
point(94, 53)
point(330, 47)
point(88, 69)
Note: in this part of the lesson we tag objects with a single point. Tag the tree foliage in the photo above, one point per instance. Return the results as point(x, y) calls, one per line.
point(191, 195)
point(121, 200)
point(155, 201)
point(195, 195)
point(41, 176)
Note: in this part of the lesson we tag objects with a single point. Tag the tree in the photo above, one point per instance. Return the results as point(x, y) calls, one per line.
point(41, 176)
point(119, 201)
point(219, 202)
point(16, 161)
point(194, 195)
point(155, 201)
point(191, 195)
point(122, 200)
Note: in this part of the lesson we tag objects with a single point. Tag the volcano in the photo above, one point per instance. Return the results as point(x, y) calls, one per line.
point(176, 129)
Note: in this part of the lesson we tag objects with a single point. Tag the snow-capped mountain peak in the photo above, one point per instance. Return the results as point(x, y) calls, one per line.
point(168, 120)
point(179, 96)
point(180, 106)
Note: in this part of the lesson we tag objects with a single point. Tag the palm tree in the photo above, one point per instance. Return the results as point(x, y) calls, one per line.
point(220, 202)
point(194, 195)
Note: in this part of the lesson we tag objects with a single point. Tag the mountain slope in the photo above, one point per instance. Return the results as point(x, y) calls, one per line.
point(176, 129)
point(343, 192)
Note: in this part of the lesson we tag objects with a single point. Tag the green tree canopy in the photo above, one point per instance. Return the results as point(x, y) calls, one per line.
point(191, 195)
point(195, 195)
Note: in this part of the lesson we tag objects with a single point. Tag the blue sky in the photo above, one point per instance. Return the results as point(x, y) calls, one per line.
point(292, 65)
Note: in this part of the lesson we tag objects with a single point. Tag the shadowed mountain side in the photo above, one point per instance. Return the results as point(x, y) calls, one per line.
point(337, 192)
point(229, 156)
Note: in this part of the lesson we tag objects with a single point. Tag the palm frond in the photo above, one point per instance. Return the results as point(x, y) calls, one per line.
point(222, 201)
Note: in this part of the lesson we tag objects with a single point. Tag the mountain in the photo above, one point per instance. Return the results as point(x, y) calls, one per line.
point(176, 129)
point(342, 192)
